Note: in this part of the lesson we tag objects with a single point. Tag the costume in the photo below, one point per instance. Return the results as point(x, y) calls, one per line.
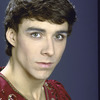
point(53, 90)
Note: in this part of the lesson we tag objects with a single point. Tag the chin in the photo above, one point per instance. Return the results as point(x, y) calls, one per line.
point(41, 76)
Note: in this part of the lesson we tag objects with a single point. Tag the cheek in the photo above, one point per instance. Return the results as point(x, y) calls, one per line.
point(27, 48)
point(22, 48)
point(60, 49)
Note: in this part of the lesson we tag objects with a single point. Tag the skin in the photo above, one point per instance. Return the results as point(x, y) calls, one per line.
point(37, 49)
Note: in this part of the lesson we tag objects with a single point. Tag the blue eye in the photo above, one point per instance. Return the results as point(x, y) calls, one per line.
point(36, 35)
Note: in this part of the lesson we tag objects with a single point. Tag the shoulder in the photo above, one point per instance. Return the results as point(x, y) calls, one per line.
point(58, 89)
point(7, 90)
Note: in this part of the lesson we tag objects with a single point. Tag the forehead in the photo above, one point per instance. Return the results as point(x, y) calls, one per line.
point(26, 23)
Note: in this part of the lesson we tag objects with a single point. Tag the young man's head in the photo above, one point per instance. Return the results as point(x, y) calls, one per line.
point(53, 11)
point(36, 34)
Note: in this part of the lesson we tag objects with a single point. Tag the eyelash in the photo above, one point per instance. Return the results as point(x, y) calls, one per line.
point(58, 37)
point(35, 35)
point(61, 37)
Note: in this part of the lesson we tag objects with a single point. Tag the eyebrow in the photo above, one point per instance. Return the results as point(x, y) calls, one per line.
point(43, 30)
point(35, 29)
point(62, 31)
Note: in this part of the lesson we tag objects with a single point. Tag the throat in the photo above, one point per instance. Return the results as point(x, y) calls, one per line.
point(40, 95)
point(27, 86)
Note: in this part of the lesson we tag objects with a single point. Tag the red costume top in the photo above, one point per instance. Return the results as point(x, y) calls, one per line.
point(53, 90)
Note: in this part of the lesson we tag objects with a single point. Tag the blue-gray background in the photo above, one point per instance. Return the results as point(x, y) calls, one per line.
point(78, 69)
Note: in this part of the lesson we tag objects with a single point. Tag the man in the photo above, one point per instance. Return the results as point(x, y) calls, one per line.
point(36, 34)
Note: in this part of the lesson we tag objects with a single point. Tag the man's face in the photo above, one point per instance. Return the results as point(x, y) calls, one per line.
point(39, 47)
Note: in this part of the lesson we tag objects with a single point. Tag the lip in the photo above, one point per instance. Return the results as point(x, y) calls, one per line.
point(45, 64)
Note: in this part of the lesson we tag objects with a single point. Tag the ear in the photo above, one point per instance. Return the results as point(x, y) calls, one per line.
point(11, 36)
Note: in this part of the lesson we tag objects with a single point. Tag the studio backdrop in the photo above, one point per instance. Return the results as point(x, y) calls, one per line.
point(78, 69)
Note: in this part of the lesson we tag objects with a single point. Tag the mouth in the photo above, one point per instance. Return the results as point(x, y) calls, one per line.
point(45, 64)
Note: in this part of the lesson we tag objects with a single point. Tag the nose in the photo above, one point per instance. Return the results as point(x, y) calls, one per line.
point(48, 48)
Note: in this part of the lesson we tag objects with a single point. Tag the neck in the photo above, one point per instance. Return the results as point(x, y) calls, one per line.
point(23, 82)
